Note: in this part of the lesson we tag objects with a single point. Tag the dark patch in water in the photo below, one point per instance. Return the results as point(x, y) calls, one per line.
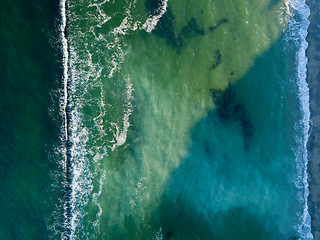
point(234, 223)
point(152, 6)
point(226, 104)
point(165, 27)
point(217, 61)
point(215, 27)
point(191, 30)
point(228, 109)
point(168, 234)
point(215, 94)
point(232, 73)
point(207, 148)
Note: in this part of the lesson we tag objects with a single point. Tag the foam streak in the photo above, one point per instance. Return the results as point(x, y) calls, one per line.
point(64, 109)
point(300, 24)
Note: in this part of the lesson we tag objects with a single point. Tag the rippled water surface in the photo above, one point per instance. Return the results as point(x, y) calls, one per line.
point(153, 120)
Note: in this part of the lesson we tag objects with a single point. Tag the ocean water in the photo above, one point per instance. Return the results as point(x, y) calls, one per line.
point(30, 72)
point(154, 119)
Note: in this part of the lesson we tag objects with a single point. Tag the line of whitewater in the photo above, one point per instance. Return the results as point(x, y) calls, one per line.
point(299, 24)
point(64, 108)
point(65, 61)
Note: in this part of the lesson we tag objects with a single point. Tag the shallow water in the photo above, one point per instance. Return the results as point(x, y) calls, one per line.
point(183, 120)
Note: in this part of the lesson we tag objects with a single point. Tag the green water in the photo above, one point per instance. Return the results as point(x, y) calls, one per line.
point(185, 132)
point(29, 73)
point(209, 140)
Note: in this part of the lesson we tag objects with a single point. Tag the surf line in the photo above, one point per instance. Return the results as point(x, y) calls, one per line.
point(67, 208)
point(299, 23)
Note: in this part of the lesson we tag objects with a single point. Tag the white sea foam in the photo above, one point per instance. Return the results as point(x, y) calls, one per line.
point(64, 102)
point(74, 132)
point(82, 178)
point(103, 17)
point(65, 60)
point(158, 234)
point(152, 21)
point(81, 76)
point(298, 26)
point(95, 200)
point(120, 136)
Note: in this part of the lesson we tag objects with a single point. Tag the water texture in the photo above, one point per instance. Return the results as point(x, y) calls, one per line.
point(154, 119)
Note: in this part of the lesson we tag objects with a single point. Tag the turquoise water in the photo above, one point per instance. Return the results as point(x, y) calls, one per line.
point(153, 120)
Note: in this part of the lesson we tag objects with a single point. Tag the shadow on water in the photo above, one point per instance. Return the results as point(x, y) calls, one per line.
point(180, 221)
point(228, 108)
point(165, 27)
point(221, 152)
point(191, 30)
